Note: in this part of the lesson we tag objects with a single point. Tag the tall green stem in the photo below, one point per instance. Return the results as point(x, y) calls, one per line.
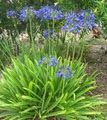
point(74, 46)
point(68, 45)
point(49, 37)
point(53, 27)
point(81, 45)
point(31, 33)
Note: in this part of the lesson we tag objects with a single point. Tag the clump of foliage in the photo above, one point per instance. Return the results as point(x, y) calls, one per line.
point(46, 89)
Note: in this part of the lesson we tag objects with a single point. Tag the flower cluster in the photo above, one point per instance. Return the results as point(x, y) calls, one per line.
point(40, 61)
point(49, 13)
point(11, 14)
point(77, 21)
point(64, 72)
point(48, 61)
point(44, 13)
point(25, 12)
point(50, 33)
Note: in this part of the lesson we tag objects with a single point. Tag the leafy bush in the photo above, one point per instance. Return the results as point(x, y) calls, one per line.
point(47, 89)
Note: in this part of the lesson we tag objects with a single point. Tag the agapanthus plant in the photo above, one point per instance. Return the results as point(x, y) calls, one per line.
point(32, 92)
point(11, 14)
point(78, 21)
point(25, 13)
point(49, 13)
point(51, 61)
point(50, 33)
point(64, 72)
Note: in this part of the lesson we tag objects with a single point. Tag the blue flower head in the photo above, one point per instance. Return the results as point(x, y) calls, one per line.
point(50, 33)
point(47, 33)
point(11, 14)
point(77, 21)
point(25, 13)
point(51, 61)
point(40, 61)
point(49, 13)
point(64, 72)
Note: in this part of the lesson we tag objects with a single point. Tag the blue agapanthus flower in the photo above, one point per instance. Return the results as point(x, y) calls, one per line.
point(25, 12)
point(77, 21)
point(50, 33)
point(49, 13)
point(51, 61)
point(11, 14)
point(64, 72)
point(40, 61)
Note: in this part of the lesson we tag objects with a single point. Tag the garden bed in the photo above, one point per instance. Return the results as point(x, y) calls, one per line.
point(101, 79)
point(53, 60)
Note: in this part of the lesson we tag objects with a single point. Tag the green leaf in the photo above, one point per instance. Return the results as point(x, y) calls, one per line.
point(54, 104)
point(56, 113)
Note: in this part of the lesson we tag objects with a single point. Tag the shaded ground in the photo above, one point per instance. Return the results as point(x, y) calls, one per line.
point(101, 79)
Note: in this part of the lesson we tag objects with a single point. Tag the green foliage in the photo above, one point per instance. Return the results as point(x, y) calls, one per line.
point(77, 4)
point(29, 91)
point(8, 48)
point(13, 45)
point(4, 6)
point(101, 14)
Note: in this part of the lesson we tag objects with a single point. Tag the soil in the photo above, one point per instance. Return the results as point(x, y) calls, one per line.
point(101, 80)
